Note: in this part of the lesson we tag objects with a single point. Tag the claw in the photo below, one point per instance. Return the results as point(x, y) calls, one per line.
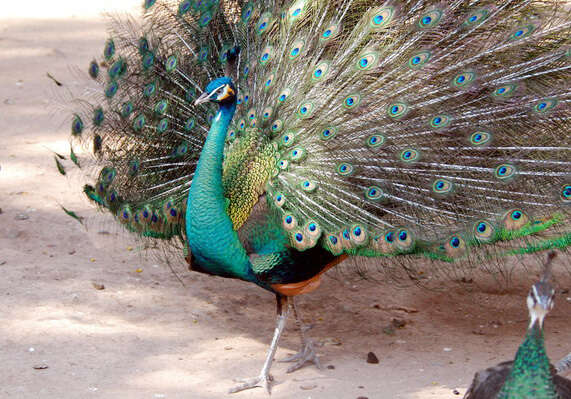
point(263, 381)
point(306, 354)
point(291, 358)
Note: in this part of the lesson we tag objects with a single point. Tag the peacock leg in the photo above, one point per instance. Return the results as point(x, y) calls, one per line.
point(263, 380)
point(307, 351)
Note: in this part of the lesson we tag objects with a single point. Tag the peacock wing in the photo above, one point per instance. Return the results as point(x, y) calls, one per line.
point(487, 383)
point(562, 386)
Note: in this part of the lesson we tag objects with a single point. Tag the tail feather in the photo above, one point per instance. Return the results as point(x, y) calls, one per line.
point(435, 129)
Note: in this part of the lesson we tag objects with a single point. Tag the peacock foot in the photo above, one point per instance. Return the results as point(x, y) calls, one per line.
point(263, 381)
point(306, 354)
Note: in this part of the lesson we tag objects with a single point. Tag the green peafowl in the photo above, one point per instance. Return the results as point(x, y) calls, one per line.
point(269, 140)
point(529, 376)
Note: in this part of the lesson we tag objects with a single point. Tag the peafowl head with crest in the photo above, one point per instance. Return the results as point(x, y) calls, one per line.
point(540, 297)
point(220, 90)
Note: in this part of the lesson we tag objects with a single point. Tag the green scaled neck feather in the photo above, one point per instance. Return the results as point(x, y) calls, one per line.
point(213, 242)
point(530, 376)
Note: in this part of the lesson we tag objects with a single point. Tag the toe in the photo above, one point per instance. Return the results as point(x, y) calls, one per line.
point(262, 381)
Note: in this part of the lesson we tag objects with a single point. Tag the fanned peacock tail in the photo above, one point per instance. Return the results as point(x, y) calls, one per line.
point(374, 128)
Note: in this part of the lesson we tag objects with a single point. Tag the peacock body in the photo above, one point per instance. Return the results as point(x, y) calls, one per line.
point(325, 129)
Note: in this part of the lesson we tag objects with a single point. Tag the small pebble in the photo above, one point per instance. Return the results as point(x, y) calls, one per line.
point(98, 286)
point(362, 397)
point(331, 367)
point(456, 392)
point(307, 387)
point(228, 348)
point(447, 349)
point(398, 323)
point(40, 366)
point(372, 358)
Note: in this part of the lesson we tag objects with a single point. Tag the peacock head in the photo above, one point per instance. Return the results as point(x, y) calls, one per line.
point(220, 90)
point(540, 302)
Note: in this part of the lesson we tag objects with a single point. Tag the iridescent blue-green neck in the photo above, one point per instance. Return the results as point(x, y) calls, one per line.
point(212, 239)
point(530, 376)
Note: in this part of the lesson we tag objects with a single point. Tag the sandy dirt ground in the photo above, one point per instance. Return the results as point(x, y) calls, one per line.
point(147, 335)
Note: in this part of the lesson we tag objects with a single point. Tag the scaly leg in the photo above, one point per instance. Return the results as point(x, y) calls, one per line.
point(263, 380)
point(307, 351)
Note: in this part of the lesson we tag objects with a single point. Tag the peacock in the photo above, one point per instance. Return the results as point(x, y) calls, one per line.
point(529, 375)
point(269, 140)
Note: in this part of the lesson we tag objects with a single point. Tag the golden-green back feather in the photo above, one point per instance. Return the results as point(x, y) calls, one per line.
point(247, 168)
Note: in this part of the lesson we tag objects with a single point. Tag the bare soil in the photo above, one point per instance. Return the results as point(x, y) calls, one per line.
point(89, 314)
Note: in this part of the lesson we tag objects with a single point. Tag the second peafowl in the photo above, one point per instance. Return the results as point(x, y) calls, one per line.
point(269, 140)
point(529, 376)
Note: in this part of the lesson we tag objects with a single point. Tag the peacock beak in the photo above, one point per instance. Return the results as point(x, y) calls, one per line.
point(544, 303)
point(204, 98)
